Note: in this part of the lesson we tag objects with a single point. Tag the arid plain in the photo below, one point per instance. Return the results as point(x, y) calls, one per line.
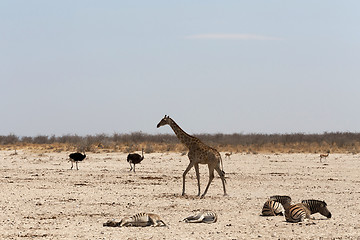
point(43, 199)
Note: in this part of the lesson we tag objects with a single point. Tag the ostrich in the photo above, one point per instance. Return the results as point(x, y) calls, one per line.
point(134, 158)
point(76, 157)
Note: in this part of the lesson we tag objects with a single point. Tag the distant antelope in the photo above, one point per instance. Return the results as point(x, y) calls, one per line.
point(202, 217)
point(137, 220)
point(227, 155)
point(324, 156)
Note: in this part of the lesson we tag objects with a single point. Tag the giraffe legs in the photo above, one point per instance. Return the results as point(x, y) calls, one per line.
point(222, 176)
point(211, 177)
point(191, 164)
point(211, 167)
point(197, 176)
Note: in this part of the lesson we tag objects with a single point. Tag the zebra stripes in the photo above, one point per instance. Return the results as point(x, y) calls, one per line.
point(142, 220)
point(281, 205)
point(202, 217)
point(137, 220)
point(317, 206)
point(283, 199)
point(274, 206)
point(297, 213)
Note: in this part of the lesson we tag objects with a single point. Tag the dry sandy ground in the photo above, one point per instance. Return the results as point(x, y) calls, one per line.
point(41, 198)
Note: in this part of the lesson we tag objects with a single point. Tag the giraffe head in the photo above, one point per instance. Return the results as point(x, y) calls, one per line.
point(164, 121)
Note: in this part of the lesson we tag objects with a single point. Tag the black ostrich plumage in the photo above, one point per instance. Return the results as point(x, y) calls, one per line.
point(134, 158)
point(76, 157)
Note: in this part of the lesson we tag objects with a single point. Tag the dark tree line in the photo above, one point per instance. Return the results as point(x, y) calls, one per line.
point(340, 140)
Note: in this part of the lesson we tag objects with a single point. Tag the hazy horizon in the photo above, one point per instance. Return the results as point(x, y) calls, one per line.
point(104, 67)
point(171, 133)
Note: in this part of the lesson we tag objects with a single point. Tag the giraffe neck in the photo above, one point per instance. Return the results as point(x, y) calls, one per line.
point(184, 138)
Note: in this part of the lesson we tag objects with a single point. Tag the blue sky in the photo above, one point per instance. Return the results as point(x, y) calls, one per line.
point(266, 66)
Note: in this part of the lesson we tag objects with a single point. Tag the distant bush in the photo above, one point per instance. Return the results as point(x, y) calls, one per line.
point(249, 143)
point(9, 139)
point(41, 140)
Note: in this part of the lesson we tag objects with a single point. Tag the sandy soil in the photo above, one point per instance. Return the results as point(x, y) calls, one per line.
point(43, 199)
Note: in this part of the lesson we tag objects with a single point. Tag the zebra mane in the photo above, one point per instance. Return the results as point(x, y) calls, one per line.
point(313, 201)
point(281, 199)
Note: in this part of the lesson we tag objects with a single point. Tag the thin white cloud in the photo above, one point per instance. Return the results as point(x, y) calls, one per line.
point(233, 37)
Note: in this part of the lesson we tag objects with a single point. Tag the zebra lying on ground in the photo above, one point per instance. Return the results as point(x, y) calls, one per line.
point(301, 211)
point(296, 213)
point(274, 206)
point(202, 217)
point(317, 206)
point(138, 220)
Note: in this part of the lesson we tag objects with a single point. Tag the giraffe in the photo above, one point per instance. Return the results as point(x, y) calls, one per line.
point(199, 153)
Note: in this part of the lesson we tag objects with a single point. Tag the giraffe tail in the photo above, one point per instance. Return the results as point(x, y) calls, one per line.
point(222, 166)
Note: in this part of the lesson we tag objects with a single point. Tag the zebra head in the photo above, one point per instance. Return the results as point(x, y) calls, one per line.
point(317, 206)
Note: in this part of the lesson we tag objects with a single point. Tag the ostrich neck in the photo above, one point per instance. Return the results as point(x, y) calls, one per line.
point(184, 138)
